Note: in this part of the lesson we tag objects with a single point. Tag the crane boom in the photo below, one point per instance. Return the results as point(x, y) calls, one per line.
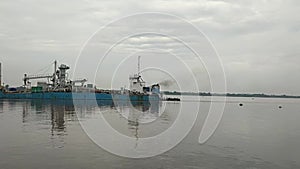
point(26, 77)
point(37, 77)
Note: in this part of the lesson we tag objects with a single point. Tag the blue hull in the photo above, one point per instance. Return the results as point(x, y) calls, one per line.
point(78, 96)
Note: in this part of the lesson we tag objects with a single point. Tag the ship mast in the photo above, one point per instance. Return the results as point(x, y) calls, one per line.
point(54, 74)
point(136, 81)
point(139, 65)
point(0, 74)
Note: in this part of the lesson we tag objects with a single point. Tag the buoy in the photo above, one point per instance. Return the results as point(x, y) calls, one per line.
point(280, 106)
point(241, 104)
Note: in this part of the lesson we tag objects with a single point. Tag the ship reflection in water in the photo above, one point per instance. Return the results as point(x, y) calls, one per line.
point(53, 116)
point(58, 115)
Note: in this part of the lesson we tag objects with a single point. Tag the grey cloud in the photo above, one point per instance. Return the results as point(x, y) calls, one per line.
point(258, 41)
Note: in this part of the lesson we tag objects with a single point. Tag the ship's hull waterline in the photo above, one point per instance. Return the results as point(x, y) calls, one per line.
point(79, 96)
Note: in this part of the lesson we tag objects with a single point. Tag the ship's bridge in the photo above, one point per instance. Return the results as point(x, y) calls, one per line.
point(136, 83)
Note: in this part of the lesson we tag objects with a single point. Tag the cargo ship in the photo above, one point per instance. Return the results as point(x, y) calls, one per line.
point(59, 87)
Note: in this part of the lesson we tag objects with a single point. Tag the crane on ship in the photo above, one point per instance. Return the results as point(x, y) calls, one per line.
point(59, 78)
point(49, 77)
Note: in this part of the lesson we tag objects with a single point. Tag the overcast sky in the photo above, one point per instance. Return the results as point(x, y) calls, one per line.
point(258, 41)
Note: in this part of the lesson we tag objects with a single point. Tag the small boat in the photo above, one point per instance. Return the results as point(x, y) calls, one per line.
point(172, 99)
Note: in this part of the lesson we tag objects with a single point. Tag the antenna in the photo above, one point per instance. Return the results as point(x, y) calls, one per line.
point(139, 65)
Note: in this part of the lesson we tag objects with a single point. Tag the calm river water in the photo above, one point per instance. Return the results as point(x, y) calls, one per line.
point(47, 134)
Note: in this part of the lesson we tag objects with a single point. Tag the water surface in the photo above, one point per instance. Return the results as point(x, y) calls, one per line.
point(47, 134)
